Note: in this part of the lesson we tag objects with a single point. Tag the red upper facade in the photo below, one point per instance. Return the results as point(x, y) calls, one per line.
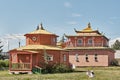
point(87, 38)
point(41, 37)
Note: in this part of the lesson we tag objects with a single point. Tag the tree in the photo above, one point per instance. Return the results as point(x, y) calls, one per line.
point(116, 45)
point(45, 56)
point(62, 39)
point(1, 56)
point(1, 47)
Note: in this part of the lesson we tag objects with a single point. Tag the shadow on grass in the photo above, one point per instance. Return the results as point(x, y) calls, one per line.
point(79, 71)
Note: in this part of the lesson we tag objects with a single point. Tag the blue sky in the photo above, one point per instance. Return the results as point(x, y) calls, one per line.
point(59, 16)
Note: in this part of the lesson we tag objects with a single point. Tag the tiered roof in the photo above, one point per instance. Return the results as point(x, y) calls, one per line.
point(88, 29)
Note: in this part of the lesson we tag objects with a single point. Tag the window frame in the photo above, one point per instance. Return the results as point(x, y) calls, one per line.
point(90, 41)
point(96, 57)
point(64, 58)
point(80, 41)
point(77, 57)
point(49, 57)
point(86, 57)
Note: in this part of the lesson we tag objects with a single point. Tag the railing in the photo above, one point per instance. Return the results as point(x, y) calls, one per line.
point(20, 66)
point(37, 70)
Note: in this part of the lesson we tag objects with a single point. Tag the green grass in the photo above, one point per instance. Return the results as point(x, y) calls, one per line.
point(101, 73)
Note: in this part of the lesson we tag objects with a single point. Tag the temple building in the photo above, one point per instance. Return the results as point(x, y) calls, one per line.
point(88, 48)
point(40, 48)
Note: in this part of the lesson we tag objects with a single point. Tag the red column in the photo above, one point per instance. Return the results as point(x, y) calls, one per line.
point(84, 41)
point(31, 61)
point(102, 42)
point(93, 44)
point(75, 41)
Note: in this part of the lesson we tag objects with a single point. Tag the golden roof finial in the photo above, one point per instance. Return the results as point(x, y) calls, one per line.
point(40, 27)
point(89, 26)
point(88, 29)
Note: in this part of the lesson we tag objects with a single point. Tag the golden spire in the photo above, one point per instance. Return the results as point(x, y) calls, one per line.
point(89, 26)
point(40, 30)
point(40, 27)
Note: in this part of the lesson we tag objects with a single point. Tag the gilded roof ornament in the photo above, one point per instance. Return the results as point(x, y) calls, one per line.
point(89, 26)
point(40, 27)
point(41, 30)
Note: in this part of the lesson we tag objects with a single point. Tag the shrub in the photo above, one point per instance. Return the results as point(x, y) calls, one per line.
point(4, 63)
point(114, 62)
point(48, 68)
point(56, 68)
point(61, 68)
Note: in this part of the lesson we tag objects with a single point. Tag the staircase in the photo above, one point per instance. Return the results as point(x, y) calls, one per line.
point(37, 70)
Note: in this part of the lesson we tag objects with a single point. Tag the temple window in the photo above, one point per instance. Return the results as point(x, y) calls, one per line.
point(54, 39)
point(86, 57)
point(76, 57)
point(107, 43)
point(64, 57)
point(79, 41)
point(49, 57)
point(90, 41)
point(96, 57)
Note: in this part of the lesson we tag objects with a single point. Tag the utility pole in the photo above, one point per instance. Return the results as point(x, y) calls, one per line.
point(19, 43)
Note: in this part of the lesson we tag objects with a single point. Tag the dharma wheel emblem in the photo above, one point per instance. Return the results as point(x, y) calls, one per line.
point(34, 38)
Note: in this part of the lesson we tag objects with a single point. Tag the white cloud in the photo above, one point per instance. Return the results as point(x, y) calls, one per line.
point(11, 41)
point(76, 15)
point(113, 18)
point(18, 36)
point(12, 36)
point(72, 22)
point(67, 4)
point(111, 22)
